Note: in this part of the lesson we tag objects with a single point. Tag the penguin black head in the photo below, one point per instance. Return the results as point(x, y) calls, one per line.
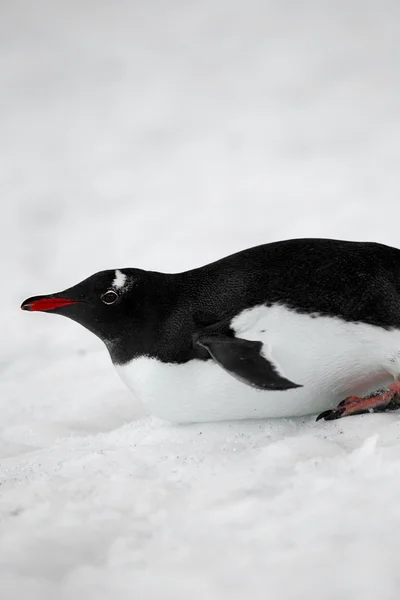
point(103, 303)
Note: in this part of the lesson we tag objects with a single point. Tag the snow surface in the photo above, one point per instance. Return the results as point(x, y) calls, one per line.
point(163, 135)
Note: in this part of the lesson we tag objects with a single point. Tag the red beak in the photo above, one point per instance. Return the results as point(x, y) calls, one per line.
point(46, 303)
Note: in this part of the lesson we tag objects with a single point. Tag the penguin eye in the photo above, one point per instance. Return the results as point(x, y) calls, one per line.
point(109, 297)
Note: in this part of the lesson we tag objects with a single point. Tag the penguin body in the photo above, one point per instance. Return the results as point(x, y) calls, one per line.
point(329, 357)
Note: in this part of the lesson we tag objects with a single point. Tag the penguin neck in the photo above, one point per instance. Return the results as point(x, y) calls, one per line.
point(172, 308)
point(161, 326)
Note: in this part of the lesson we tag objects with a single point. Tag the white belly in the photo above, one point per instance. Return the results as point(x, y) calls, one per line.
point(329, 357)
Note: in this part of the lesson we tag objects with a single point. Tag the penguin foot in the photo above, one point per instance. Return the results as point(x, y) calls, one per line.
point(380, 401)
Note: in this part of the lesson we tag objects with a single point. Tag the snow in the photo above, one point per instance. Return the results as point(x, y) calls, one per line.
point(162, 136)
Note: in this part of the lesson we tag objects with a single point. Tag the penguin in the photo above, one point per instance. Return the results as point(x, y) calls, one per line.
point(285, 329)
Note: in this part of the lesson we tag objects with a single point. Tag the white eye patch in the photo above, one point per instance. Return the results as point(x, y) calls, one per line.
point(119, 280)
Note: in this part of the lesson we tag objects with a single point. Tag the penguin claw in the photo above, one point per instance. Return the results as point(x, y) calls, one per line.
point(380, 401)
point(331, 415)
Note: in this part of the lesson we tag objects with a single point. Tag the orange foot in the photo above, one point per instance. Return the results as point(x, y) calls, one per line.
point(353, 405)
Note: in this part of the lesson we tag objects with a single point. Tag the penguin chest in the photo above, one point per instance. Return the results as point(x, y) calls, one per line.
point(330, 358)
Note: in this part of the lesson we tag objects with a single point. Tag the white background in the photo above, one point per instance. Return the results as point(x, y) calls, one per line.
point(164, 135)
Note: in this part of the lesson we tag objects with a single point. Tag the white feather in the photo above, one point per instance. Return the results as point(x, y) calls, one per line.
point(119, 281)
point(329, 357)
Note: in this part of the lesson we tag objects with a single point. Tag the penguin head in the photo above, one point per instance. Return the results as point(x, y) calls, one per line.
point(103, 303)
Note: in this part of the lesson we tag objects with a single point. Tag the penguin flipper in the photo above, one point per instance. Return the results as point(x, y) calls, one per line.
point(243, 359)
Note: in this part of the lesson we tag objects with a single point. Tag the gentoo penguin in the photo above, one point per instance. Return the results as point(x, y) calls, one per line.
point(284, 329)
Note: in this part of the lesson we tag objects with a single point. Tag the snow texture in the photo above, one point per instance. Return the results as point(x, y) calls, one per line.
point(164, 135)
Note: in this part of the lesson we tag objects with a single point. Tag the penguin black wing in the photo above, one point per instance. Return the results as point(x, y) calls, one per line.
point(243, 359)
